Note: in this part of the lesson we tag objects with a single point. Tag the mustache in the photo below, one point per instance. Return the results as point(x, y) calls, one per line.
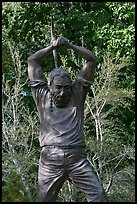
point(61, 100)
point(62, 95)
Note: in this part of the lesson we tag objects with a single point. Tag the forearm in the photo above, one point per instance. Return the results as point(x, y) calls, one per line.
point(34, 69)
point(40, 54)
point(83, 52)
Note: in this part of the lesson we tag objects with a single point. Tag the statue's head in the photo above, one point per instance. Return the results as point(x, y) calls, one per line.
point(60, 86)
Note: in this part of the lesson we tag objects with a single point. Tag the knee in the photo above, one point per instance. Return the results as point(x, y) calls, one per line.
point(102, 197)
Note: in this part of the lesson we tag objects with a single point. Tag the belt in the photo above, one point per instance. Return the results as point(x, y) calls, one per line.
point(64, 146)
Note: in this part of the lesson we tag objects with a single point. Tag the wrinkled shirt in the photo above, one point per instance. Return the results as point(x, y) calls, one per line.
point(61, 126)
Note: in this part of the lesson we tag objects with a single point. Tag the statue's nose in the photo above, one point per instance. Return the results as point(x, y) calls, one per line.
point(62, 92)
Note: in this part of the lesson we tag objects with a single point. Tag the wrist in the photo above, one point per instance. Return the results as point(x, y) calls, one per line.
point(68, 45)
point(71, 46)
point(52, 47)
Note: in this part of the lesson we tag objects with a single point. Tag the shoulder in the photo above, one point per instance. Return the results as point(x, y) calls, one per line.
point(84, 82)
point(80, 88)
point(39, 89)
point(37, 83)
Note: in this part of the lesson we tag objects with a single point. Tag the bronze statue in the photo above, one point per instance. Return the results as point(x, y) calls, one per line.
point(60, 104)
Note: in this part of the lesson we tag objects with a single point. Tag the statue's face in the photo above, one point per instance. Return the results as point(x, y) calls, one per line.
point(61, 90)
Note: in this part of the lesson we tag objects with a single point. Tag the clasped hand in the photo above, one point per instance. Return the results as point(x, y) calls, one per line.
point(59, 42)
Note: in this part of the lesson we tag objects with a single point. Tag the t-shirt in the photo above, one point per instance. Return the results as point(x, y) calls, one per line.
point(61, 126)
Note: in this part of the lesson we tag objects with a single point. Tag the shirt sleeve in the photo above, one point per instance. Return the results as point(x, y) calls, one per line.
point(83, 81)
point(36, 83)
point(80, 88)
point(38, 88)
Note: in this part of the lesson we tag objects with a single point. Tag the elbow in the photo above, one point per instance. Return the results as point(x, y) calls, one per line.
point(30, 59)
point(94, 59)
point(92, 62)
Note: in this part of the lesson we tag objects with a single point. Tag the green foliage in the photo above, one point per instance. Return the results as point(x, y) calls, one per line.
point(69, 193)
point(19, 138)
point(106, 28)
point(17, 191)
point(123, 186)
point(110, 124)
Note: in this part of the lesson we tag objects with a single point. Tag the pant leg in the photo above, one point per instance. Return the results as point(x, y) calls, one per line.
point(83, 177)
point(51, 175)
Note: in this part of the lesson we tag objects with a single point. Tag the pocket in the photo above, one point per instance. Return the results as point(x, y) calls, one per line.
point(52, 156)
point(80, 153)
point(45, 152)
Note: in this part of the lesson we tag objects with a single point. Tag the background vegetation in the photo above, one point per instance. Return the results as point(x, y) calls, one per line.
point(106, 28)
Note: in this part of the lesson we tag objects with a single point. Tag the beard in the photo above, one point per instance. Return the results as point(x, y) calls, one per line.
point(60, 101)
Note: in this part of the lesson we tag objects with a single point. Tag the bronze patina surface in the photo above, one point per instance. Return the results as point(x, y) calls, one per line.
point(60, 104)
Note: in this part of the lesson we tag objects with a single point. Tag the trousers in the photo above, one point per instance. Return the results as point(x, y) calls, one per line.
point(57, 165)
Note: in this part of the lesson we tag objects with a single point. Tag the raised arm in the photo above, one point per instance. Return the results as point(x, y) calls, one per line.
point(88, 69)
point(34, 69)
